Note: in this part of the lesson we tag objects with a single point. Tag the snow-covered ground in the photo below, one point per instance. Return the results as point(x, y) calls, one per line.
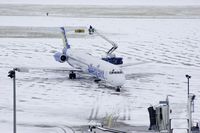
point(105, 2)
point(101, 11)
point(50, 99)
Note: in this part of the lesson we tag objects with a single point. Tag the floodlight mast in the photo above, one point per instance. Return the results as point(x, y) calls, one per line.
point(12, 75)
point(189, 103)
point(188, 78)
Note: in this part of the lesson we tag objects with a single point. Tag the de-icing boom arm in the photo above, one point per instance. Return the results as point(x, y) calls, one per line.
point(115, 46)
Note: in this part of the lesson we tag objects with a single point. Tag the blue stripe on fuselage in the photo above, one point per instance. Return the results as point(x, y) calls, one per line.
point(96, 71)
point(91, 69)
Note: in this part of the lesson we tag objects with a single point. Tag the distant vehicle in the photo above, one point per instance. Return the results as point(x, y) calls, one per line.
point(105, 69)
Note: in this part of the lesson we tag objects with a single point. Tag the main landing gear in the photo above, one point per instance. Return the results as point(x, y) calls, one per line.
point(118, 89)
point(97, 80)
point(72, 75)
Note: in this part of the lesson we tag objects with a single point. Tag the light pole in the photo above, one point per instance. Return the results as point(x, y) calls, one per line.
point(189, 103)
point(11, 74)
point(188, 78)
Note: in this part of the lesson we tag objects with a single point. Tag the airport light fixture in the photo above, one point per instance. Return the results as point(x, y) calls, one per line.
point(12, 75)
point(188, 78)
point(191, 97)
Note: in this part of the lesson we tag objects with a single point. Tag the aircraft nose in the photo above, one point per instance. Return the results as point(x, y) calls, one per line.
point(119, 80)
point(122, 80)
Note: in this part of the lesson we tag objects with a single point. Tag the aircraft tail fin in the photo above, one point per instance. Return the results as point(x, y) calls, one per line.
point(64, 38)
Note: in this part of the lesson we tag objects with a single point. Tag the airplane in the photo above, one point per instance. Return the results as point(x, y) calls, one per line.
point(102, 69)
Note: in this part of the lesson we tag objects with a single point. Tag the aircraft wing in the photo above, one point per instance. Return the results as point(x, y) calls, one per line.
point(47, 69)
point(134, 64)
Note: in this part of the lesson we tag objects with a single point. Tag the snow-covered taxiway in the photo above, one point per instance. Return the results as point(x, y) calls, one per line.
point(49, 101)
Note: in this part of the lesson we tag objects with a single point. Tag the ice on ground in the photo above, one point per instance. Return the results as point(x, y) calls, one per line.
point(49, 98)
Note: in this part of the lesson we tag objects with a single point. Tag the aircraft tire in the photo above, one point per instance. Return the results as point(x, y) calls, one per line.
point(72, 76)
point(97, 80)
point(118, 89)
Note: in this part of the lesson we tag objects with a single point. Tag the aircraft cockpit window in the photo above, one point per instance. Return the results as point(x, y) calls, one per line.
point(115, 72)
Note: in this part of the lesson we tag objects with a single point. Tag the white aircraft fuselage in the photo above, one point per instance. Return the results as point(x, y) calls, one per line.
point(96, 67)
